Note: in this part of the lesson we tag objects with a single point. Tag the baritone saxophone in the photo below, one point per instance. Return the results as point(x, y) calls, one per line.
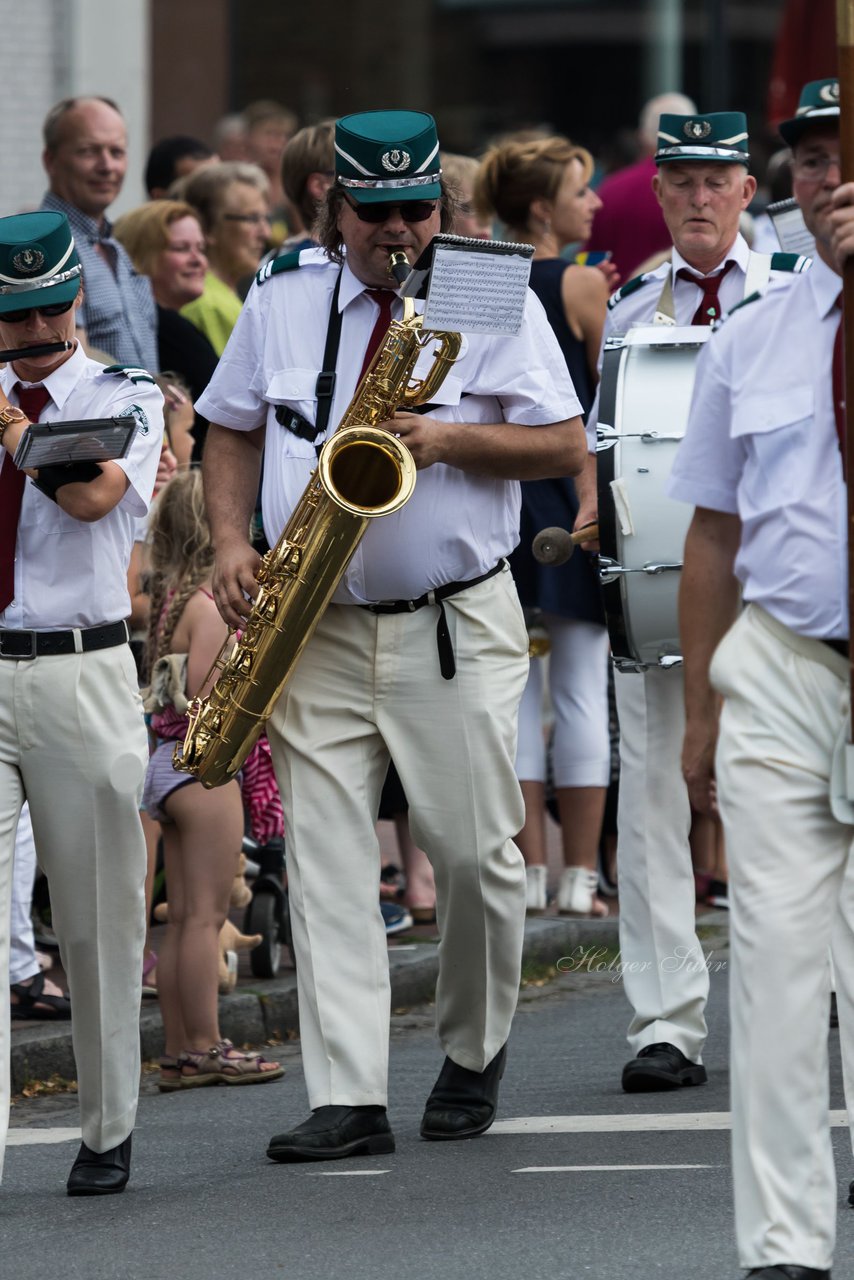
point(363, 472)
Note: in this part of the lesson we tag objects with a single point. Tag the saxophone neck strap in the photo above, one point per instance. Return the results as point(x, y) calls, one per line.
point(325, 388)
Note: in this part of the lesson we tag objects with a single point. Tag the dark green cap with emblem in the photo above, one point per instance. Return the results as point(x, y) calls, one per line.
point(819, 101)
point(38, 262)
point(388, 156)
point(720, 136)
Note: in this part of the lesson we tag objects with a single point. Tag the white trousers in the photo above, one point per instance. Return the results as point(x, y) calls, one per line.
point(791, 897)
point(578, 686)
point(23, 963)
point(368, 687)
point(664, 973)
point(72, 741)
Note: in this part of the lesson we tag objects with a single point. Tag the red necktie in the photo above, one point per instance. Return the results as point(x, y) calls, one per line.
point(839, 381)
point(383, 298)
point(709, 309)
point(32, 400)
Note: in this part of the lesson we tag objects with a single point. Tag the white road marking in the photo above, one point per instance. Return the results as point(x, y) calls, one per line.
point(348, 1173)
point(41, 1137)
point(609, 1168)
point(633, 1123)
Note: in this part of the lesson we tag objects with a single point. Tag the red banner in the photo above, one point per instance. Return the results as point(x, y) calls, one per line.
point(806, 50)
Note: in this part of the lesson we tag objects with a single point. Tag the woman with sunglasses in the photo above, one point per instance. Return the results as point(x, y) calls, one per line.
point(538, 189)
point(231, 203)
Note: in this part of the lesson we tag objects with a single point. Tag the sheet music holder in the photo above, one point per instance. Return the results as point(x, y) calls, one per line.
point(54, 444)
point(791, 229)
point(471, 286)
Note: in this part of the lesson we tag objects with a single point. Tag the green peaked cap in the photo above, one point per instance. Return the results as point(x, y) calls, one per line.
point(722, 135)
point(388, 156)
point(38, 262)
point(819, 101)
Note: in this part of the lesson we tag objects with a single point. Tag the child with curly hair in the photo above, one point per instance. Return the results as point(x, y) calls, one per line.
point(202, 830)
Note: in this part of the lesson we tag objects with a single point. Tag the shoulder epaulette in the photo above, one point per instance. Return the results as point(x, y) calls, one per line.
point(630, 287)
point(129, 371)
point(795, 262)
point(287, 262)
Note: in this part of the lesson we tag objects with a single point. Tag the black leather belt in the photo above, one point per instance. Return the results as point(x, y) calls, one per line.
point(40, 644)
point(838, 646)
point(447, 662)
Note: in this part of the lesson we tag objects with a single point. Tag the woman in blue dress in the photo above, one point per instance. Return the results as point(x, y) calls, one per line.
point(538, 188)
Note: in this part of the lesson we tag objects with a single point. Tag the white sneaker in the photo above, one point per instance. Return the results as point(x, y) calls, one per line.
point(535, 902)
point(576, 893)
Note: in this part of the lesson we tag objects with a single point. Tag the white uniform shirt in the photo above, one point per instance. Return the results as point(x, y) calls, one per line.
point(640, 306)
point(73, 573)
point(761, 443)
point(455, 526)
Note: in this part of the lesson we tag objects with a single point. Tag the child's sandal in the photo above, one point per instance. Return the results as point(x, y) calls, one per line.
point(223, 1064)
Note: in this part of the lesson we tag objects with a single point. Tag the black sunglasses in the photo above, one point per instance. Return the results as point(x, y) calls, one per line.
point(52, 309)
point(409, 210)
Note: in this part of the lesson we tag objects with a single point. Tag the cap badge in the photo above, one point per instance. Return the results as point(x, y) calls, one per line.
point(697, 129)
point(396, 161)
point(829, 92)
point(28, 261)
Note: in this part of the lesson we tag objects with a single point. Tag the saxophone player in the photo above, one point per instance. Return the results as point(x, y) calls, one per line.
point(422, 655)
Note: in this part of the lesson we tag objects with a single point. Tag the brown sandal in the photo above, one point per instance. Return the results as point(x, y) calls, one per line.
point(223, 1064)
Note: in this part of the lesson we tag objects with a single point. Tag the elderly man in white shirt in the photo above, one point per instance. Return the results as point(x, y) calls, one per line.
point(762, 462)
point(72, 738)
point(377, 679)
point(703, 185)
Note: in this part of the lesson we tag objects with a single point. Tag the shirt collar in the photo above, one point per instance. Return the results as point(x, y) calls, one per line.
point(58, 384)
point(826, 286)
point(739, 253)
point(351, 287)
point(80, 222)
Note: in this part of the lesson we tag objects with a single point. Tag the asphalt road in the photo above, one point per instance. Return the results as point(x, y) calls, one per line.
point(581, 1193)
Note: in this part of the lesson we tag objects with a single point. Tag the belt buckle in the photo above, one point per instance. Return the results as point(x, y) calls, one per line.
point(22, 656)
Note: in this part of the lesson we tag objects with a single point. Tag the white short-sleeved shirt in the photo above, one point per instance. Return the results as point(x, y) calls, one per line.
point(456, 525)
point(639, 306)
point(761, 443)
point(73, 573)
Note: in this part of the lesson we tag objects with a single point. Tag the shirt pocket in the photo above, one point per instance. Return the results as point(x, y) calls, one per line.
point(774, 430)
point(294, 389)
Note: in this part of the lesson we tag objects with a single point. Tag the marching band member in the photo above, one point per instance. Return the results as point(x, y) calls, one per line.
point(763, 463)
point(371, 683)
point(702, 185)
point(72, 738)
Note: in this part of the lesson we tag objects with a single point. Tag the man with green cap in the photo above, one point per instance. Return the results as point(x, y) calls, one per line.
point(422, 655)
point(763, 463)
point(702, 185)
point(72, 738)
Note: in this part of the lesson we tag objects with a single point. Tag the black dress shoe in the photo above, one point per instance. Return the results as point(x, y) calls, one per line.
point(659, 1067)
point(788, 1271)
point(462, 1103)
point(100, 1173)
point(330, 1133)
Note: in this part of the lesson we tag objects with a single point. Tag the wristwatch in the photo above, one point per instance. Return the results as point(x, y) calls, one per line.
point(8, 417)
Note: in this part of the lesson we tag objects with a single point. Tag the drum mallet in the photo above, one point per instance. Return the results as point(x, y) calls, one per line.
point(555, 545)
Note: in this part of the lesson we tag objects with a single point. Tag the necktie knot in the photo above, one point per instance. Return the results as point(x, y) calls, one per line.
point(32, 400)
point(709, 308)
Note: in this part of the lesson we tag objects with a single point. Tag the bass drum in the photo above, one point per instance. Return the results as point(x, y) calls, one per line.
point(645, 396)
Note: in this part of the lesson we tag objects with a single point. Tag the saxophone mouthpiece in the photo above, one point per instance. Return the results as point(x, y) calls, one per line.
point(398, 266)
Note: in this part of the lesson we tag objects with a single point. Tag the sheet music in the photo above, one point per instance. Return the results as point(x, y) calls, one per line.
point(472, 291)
